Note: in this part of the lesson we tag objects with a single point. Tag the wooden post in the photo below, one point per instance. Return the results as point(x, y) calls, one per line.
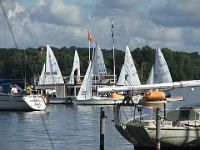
point(158, 128)
point(165, 114)
point(102, 128)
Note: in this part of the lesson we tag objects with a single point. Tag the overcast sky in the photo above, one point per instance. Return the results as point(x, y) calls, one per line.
point(170, 23)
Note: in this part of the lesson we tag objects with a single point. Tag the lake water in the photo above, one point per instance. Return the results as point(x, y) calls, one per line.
point(65, 127)
point(59, 127)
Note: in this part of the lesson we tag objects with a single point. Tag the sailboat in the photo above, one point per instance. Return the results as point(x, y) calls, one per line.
point(51, 78)
point(86, 95)
point(51, 73)
point(128, 74)
point(99, 67)
point(151, 76)
point(75, 73)
point(160, 72)
point(20, 101)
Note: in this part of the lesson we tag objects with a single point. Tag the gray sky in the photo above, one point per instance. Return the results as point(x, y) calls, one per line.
point(170, 23)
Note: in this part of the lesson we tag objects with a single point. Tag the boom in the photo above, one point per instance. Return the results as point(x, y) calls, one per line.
point(160, 86)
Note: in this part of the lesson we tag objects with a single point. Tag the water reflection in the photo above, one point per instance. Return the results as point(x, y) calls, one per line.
point(59, 127)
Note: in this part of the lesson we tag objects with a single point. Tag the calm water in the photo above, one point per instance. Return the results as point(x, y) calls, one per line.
point(59, 127)
point(68, 127)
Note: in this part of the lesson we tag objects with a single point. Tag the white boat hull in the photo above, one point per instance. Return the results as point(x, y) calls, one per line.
point(22, 103)
point(98, 101)
point(141, 135)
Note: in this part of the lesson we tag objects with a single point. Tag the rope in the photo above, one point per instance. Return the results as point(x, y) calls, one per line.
point(124, 114)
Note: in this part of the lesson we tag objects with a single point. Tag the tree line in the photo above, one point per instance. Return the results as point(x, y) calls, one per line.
point(28, 63)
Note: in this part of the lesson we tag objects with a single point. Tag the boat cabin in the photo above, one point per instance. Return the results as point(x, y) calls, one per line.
point(186, 115)
point(189, 113)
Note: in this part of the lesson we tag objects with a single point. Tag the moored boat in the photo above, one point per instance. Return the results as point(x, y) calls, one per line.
point(22, 100)
point(180, 129)
point(22, 103)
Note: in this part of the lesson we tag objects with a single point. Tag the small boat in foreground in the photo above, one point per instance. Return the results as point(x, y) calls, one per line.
point(179, 130)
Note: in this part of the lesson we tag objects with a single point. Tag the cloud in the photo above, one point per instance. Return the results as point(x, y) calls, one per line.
point(70, 14)
point(177, 13)
point(18, 9)
point(173, 24)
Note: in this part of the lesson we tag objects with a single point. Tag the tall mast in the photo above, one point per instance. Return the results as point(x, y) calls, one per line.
point(113, 48)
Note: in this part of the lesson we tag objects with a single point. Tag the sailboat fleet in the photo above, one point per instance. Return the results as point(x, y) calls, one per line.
point(95, 86)
point(96, 68)
point(178, 129)
point(84, 92)
point(181, 132)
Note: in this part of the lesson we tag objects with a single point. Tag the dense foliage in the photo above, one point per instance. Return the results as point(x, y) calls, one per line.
point(182, 65)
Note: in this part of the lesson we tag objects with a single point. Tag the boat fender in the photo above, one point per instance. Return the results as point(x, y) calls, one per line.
point(155, 95)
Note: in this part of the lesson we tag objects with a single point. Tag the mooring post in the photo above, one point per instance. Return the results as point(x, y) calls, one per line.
point(102, 128)
point(165, 115)
point(158, 128)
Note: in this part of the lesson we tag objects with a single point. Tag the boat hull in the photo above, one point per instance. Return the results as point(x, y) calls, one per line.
point(55, 100)
point(145, 136)
point(21, 103)
point(98, 101)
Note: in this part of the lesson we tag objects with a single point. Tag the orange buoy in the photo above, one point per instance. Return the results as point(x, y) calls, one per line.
point(155, 95)
point(117, 96)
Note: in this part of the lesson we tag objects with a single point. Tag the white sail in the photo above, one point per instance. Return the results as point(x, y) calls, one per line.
point(128, 73)
point(85, 91)
point(76, 66)
point(161, 70)
point(121, 79)
point(151, 76)
point(42, 76)
point(52, 73)
point(99, 67)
